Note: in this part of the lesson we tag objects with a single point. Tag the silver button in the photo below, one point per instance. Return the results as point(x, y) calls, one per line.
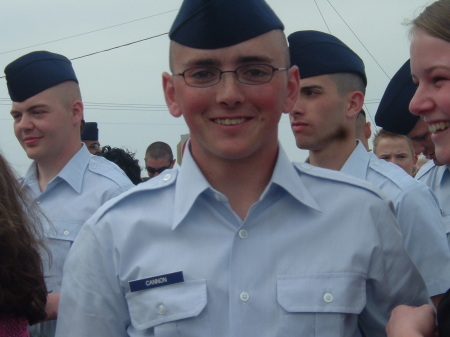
point(161, 309)
point(66, 232)
point(217, 196)
point(244, 296)
point(328, 297)
point(167, 177)
point(243, 234)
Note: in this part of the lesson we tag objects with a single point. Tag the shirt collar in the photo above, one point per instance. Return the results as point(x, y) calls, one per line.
point(356, 165)
point(191, 184)
point(72, 172)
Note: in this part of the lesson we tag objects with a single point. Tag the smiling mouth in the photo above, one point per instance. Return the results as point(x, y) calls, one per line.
point(230, 121)
point(441, 126)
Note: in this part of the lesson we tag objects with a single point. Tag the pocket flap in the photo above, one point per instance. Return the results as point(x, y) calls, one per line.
point(325, 292)
point(152, 307)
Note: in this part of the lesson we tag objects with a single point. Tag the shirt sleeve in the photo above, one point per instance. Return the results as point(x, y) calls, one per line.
point(92, 300)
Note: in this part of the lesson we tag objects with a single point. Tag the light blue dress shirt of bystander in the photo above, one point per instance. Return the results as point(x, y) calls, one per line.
point(319, 254)
point(438, 179)
point(79, 189)
point(417, 213)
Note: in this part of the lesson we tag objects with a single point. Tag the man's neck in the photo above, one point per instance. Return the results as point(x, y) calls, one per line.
point(334, 156)
point(47, 169)
point(241, 181)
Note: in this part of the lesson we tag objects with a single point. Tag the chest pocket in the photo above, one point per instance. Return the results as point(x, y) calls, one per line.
point(169, 310)
point(320, 304)
point(60, 235)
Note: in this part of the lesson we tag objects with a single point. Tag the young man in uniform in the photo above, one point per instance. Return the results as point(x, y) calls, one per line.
point(323, 121)
point(238, 241)
point(65, 180)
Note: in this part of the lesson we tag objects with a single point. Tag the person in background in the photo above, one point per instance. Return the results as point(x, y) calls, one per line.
point(158, 158)
point(125, 160)
point(324, 122)
point(396, 149)
point(23, 294)
point(238, 241)
point(89, 136)
point(363, 131)
point(430, 64)
point(67, 182)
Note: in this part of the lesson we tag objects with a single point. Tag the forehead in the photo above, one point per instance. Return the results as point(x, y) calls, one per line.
point(323, 81)
point(394, 142)
point(270, 48)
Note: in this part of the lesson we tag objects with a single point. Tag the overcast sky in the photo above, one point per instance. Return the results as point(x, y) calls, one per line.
point(121, 87)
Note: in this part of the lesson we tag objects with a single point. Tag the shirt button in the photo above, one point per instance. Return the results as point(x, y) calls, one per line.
point(328, 297)
point(66, 232)
point(244, 296)
point(217, 196)
point(161, 309)
point(243, 234)
point(167, 177)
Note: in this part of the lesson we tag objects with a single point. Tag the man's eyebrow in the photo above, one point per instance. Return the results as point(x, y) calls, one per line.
point(255, 59)
point(33, 107)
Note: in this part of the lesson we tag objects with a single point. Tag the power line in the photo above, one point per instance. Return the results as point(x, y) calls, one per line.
point(117, 47)
point(86, 33)
point(379, 65)
point(323, 18)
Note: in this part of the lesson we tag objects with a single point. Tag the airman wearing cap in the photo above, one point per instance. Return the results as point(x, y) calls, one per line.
point(235, 242)
point(68, 183)
point(324, 122)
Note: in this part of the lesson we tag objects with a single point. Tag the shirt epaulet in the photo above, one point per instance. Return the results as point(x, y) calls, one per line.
point(337, 176)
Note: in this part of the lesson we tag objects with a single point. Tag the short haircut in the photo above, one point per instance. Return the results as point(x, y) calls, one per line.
point(383, 134)
point(348, 82)
point(159, 150)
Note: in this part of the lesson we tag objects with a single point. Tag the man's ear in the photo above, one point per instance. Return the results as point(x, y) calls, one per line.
point(355, 103)
point(77, 111)
point(293, 89)
point(169, 95)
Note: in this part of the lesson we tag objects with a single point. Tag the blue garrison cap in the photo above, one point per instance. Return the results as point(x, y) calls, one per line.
point(213, 24)
point(35, 72)
point(90, 131)
point(317, 53)
point(393, 111)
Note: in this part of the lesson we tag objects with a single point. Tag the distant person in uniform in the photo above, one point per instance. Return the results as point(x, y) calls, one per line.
point(89, 136)
point(65, 180)
point(239, 241)
point(396, 149)
point(158, 158)
point(394, 115)
point(363, 130)
point(323, 121)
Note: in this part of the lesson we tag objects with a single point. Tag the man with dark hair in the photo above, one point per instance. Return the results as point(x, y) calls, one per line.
point(324, 122)
point(239, 241)
point(158, 157)
point(125, 160)
point(65, 180)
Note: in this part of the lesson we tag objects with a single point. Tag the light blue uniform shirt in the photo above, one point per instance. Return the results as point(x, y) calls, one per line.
point(438, 179)
point(417, 213)
point(79, 189)
point(319, 254)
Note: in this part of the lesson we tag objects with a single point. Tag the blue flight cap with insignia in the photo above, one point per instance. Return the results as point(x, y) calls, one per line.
point(35, 72)
point(317, 53)
point(213, 24)
point(90, 131)
point(393, 111)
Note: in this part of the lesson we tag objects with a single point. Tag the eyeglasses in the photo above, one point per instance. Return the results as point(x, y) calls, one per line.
point(252, 74)
point(153, 170)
